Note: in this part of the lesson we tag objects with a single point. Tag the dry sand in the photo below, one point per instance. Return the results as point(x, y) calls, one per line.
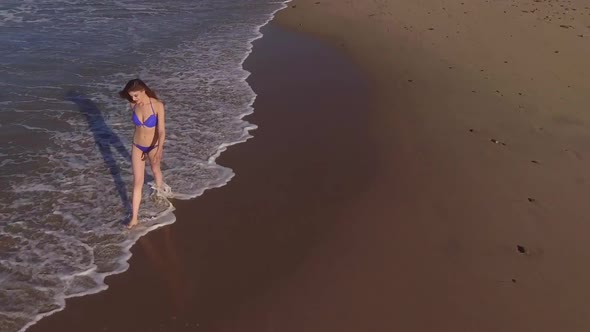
point(482, 124)
point(450, 194)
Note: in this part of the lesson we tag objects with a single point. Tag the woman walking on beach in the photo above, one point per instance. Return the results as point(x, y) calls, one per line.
point(148, 139)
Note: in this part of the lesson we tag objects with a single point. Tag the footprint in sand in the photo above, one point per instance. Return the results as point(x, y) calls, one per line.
point(536, 252)
point(573, 154)
point(512, 280)
point(493, 140)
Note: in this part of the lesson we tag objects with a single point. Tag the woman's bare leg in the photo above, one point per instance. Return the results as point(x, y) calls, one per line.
point(156, 169)
point(138, 166)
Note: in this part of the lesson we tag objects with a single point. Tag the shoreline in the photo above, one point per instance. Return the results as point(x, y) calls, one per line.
point(449, 193)
point(91, 111)
point(167, 217)
point(267, 141)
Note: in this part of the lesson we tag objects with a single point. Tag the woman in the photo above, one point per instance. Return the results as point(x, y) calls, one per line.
point(148, 139)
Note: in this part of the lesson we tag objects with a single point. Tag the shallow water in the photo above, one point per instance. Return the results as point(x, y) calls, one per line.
point(65, 159)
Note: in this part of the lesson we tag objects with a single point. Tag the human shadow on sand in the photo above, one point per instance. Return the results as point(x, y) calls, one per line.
point(106, 140)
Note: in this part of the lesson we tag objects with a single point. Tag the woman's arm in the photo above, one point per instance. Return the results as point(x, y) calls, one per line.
point(161, 131)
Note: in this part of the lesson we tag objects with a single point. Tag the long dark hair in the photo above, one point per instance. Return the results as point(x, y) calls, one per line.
point(136, 85)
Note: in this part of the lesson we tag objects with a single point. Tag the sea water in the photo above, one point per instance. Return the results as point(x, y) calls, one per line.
point(65, 169)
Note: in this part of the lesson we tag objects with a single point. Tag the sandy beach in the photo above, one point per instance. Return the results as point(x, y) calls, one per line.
point(418, 166)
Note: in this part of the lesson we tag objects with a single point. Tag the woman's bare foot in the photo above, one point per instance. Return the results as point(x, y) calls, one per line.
point(132, 223)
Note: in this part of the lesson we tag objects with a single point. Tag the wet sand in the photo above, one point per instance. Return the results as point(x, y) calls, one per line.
point(437, 180)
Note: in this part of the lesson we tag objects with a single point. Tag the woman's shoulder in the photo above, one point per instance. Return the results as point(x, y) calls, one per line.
point(158, 104)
